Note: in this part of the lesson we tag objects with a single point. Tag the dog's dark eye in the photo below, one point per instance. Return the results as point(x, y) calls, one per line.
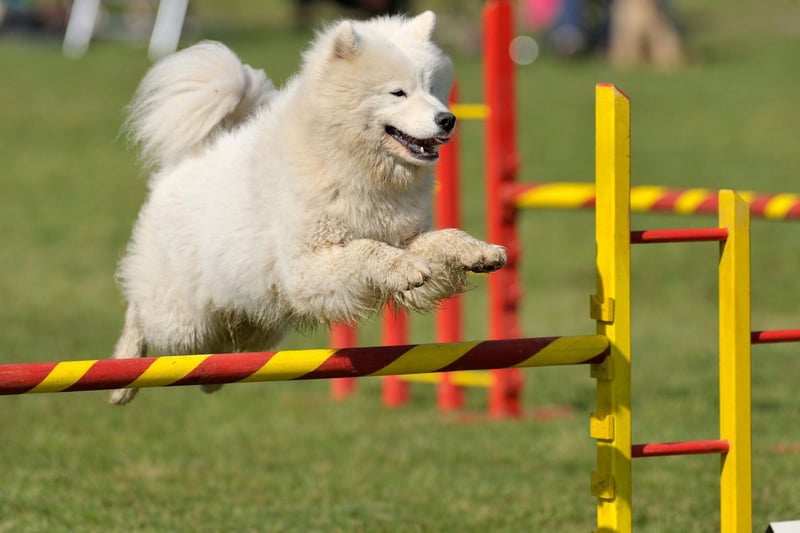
point(400, 93)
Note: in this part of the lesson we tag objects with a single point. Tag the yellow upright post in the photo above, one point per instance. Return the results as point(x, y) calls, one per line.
point(610, 307)
point(734, 364)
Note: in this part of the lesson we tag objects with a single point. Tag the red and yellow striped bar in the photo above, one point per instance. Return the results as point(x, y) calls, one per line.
point(178, 370)
point(568, 195)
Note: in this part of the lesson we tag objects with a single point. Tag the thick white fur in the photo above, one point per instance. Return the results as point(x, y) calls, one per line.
point(271, 209)
point(188, 97)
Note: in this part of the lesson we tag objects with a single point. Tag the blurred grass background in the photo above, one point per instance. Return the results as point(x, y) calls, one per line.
point(283, 456)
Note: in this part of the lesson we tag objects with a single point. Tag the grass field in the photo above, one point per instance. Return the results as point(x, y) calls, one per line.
point(284, 457)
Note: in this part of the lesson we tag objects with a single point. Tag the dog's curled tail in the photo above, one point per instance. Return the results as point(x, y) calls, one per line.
point(189, 97)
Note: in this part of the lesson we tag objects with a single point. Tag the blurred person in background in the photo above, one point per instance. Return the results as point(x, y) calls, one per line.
point(630, 32)
point(644, 32)
point(360, 8)
point(33, 18)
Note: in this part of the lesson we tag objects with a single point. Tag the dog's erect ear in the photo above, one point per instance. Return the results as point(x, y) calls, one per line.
point(422, 25)
point(345, 41)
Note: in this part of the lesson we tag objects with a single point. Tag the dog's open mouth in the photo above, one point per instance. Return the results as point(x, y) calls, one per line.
point(424, 149)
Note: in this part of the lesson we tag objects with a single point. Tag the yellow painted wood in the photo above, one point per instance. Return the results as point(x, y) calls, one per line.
point(602, 428)
point(611, 482)
point(734, 365)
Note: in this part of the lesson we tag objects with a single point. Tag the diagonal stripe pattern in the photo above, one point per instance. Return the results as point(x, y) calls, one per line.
point(566, 195)
point(179, 370)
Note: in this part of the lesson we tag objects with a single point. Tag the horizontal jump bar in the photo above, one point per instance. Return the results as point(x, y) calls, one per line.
point(692, 447)
point(679, 235)
point(286, 365)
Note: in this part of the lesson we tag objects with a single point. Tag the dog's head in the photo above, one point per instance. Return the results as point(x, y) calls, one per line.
point(392, 82)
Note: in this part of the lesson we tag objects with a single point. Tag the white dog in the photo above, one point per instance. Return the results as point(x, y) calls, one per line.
point(271, 209)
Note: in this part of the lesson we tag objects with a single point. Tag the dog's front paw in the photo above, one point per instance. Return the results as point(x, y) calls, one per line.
point(485, 258)
point(406, 273)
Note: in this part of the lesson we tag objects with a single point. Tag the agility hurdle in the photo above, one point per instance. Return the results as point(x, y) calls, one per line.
point(610, 424)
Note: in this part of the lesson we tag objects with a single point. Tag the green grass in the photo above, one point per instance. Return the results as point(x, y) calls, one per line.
point(283, 456)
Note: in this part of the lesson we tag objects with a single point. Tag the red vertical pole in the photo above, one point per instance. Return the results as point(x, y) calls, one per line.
point(343, 336)
point(396, 392)
point(448, 215)
point(502, 164)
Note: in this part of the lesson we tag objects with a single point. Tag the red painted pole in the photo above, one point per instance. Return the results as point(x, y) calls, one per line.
point(396, 392)
point(449, 397)
point(694, 447)
point(502, 165)
point(448, 205)
point(775, 335)
point(343, 336)
point(679, 235)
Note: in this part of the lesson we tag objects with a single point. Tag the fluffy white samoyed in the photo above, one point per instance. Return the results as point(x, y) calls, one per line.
point(271, 209)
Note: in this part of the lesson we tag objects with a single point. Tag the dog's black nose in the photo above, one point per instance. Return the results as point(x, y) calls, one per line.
point(446, 121)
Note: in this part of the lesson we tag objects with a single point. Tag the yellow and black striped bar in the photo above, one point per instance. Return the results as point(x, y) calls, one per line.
point(68, 376)
point(694, 201)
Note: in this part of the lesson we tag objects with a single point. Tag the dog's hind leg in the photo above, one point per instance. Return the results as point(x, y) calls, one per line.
point(130, 345)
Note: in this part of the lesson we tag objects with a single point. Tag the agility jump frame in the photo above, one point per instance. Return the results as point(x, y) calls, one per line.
point(611, 423)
